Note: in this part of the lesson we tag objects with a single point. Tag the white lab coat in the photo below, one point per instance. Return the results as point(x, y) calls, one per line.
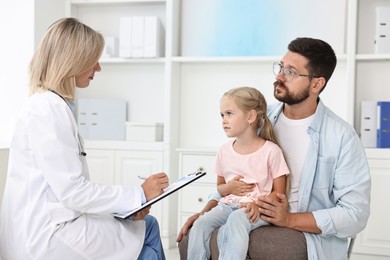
point(50, 208)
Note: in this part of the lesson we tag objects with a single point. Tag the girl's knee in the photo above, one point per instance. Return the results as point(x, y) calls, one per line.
point(237, 216)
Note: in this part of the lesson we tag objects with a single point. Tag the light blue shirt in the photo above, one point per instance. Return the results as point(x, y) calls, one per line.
point(335, 183)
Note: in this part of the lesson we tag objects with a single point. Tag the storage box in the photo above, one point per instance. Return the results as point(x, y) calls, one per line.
point(101, 119)
point(382, 37)
point(368, 123)
point(144, 132)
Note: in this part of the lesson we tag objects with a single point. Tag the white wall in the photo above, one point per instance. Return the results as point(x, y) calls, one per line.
point(3, 170)
point(16, 48)
point(20, 30)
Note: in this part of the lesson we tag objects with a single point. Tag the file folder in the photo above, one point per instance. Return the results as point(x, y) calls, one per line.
point(383, 124)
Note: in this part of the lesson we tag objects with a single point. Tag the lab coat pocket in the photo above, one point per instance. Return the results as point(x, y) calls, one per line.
point(59, 214)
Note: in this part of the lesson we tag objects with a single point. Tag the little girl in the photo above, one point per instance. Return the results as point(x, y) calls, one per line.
point(250, 166)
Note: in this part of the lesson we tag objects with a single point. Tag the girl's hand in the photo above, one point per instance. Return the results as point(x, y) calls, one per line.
point(238, 187)
point(252, 211)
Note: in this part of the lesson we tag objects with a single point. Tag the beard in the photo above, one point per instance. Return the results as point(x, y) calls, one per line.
point(288, 97)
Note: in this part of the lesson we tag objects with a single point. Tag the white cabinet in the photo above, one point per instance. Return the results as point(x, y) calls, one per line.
point(101, 165)
point(194, 197)
point(113, 162)
point(120, 163)
point(368, 74)
point(374, 241)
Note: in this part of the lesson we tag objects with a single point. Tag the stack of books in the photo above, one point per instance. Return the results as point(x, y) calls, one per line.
point(375, 124)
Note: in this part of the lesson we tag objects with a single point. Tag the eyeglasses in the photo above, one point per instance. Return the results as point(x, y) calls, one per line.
point(287, 73)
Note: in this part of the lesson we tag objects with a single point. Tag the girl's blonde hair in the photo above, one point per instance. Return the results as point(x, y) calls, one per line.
point(247, 99)
point(67, 49)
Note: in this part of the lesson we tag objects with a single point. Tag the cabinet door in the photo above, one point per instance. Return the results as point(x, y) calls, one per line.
point(375, 238)
point(101, 165)
point(130, 164)
point(194, 197)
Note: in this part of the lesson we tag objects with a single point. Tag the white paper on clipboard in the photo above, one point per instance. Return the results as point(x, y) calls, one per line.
point(177, 185)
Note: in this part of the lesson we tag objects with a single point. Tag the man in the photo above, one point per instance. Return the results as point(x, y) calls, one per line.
point(329, 197)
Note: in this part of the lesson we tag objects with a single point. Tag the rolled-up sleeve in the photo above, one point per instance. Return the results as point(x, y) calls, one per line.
point(350, 193)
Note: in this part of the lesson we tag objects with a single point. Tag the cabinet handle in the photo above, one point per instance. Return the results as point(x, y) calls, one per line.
point(200, 200)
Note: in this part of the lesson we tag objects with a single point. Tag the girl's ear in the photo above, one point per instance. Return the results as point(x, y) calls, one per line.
point(252, 116)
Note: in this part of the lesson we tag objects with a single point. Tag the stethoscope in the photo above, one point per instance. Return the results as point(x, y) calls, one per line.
point(79, 139)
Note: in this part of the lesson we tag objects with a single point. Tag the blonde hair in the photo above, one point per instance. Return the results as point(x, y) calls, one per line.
point(247, 99)
point(67, 49)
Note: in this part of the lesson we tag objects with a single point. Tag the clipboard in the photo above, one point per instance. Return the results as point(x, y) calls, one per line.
point(173, 187)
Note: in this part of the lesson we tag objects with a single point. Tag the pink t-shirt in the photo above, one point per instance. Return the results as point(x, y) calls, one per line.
point(261, 167)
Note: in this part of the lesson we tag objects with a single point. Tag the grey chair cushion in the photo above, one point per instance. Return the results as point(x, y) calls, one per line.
point(268, 242)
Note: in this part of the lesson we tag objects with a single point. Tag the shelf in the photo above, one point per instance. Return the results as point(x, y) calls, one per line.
point(378, 153)
point(123, 145)
point(198, 150)
point(113, 2)
point(4, 146)
point(117, 60)
point(373, 57)
point(236, 59)
point(226, 59)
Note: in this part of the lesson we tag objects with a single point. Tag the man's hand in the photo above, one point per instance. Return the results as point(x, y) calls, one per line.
point(252, 211)
point(274, 211)
point(184, 230)
point(141, 214)
point(154, 185)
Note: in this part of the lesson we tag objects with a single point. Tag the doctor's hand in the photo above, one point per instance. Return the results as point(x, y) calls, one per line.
point(154, 185)
point(141, 214)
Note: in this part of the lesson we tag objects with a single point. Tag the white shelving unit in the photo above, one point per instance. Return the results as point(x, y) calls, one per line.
point(369, 76)
point(183, 91)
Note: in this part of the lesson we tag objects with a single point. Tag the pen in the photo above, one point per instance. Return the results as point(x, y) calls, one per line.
point(195, 173)
point(143, 177)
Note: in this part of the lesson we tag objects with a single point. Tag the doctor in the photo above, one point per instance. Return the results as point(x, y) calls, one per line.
point(50, 209)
